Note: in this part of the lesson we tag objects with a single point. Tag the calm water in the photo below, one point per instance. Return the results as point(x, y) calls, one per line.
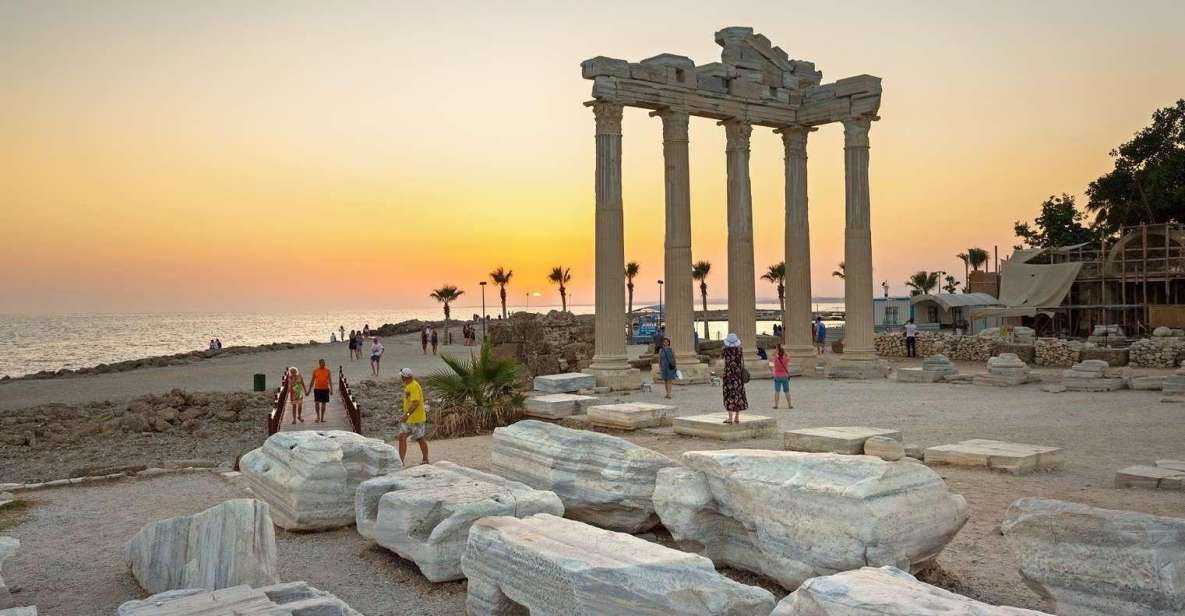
point(31, 343)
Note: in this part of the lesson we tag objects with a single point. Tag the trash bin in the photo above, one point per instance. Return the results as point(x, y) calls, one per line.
point(260, 382)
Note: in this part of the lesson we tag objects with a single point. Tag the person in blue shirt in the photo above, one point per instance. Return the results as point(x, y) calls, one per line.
point(820, 335)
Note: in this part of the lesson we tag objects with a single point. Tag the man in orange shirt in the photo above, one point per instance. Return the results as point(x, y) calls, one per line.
point(322, 387)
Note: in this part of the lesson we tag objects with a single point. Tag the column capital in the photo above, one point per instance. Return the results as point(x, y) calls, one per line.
point(737, 132)
point(674, 124)
point(608, 116)
point(855, 130)
point(794, 138)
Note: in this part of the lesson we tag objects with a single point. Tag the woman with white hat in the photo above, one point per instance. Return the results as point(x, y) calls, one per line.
point(735, 377)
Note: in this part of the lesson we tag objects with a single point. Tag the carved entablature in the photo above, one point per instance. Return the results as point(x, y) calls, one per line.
point(754, 81)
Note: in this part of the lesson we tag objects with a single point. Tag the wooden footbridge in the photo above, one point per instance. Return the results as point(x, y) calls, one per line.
point(341, 413)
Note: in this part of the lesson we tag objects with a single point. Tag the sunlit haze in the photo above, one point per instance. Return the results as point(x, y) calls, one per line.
point(175, 156)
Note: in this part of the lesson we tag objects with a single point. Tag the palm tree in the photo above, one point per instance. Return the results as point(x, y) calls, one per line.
point(501, 277)
point(699, 272)
point(777, 275)
point(447, 293)
point(952, 285)
point(631, 270)
point(922, 282)
point(842, 272)
point(561, 276)
point(978, 257)
point(966, 259)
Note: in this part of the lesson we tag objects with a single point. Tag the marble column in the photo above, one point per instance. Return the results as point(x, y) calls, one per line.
point(858, 343)
point(742, 293)
point(796, 318)
point(680, 297)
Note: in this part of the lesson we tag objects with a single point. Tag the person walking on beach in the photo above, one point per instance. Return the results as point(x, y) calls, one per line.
point(781, 365)
point(296, 391)
point(376, 355)
point(433, 339)
point(734, 379)
point(353, 346)
point(413, 423)
point(911, 339)
point(424, 339)
point(820, 336)
point(666, 366)
point(341, 330)
point(322, 388)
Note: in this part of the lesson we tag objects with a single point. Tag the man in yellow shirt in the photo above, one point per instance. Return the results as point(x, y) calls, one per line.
point(414, 419)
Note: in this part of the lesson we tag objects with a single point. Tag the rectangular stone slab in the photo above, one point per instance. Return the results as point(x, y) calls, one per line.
point(1153, 477)
point(1016, 458)
point(712, 426)
point(557, 406)
point(1177, 465)
point(838, 439)
point(566, 383)
point(630, 416)
point(917, 375)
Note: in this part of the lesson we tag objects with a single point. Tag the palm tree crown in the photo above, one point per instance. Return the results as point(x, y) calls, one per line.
point(977, 257)
point(501, 277)
point(776, 274)
point(446, 294)
point(842, 272)
point(922, 282)
point(699, 271)
point(561, 276)
point(631, 271)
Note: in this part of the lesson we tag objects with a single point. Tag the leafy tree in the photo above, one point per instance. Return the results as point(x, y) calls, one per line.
point(445, 295)
point(501, 277)
point(561, 276)
point(952, 285)
point(776, 274)
point(631, 271)
point(842, 272)
point(1147, 184)
point(922, 282)
point(1060, 224)
point(699, 272)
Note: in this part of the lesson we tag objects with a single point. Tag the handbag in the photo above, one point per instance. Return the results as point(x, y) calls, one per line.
point(745, 376)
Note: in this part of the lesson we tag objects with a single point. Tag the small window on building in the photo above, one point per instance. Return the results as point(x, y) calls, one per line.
point(891, 315)
point(933, 311)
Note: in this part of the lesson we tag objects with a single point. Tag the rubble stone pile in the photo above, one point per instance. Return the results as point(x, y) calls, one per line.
point(1157, 352)
point(1056, 352)
point(553, 343)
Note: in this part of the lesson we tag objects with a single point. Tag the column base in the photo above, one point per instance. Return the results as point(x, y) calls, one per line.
point(617, 379)
point(694, 373)
point(848, 368)
point(758, 368)
point(804, 360)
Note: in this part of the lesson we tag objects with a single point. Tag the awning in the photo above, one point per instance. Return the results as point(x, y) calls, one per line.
point(1029, 289)
point(956, 300)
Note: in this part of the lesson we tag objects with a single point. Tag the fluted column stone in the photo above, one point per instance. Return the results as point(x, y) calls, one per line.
point(858, 334)
point(680, 298)
point(609, 348)
point(796, 326)
point(742, 292)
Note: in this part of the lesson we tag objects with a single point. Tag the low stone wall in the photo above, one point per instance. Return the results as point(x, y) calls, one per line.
point(1056, 352)
point(553, 343)
point(962, 348)
point(1157, 352)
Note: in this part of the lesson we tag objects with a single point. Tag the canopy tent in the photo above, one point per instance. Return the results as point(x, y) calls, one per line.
point(1028, 289)
point(956, 300)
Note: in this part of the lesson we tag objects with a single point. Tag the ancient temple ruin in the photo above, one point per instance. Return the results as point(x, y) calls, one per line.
point(758, 84)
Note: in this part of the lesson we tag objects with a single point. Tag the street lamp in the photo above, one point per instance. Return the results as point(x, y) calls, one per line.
point(483, 310)
point(660, 302)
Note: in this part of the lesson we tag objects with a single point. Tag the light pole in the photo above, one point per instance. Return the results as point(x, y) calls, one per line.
point(483, 311)
point(660, 303)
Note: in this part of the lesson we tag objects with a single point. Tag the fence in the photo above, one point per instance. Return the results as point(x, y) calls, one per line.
point(348, 401)
point(276, 418)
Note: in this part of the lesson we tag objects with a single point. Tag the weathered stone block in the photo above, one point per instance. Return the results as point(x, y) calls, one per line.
point(565, 383)
point(793, 516)
point(711, 425)
point(917, 375)
point(883, 591)
point(19, 611)
point(601, 479)
point(1154, 477)
point(885, 448)
point(602, 66)
point(1015, 458)
point(309, 477)
point(424, 513)
point(840, 439)
point(226, 545)
point(287, 599)
point(630, 415)
point(1099, 562)
point(550, 566)
point(557, 406)
point(8, 547)
point(1147, 383)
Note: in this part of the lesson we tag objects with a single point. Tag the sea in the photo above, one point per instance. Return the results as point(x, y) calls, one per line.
point(32, 343)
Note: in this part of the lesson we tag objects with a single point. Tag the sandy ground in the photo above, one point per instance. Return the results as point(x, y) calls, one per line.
point(1101, 433)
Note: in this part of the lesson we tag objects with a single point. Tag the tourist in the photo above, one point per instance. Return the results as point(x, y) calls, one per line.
point(341, 330)
point(296, 390)
point(735, 377)
point(666, 365)
point(376, 355)
point(424, 339)
point(413, 423)
point(820, 336)
point(911, 339)
point(366, 330)
point(218, 343)
point(213, 347)
point(781, 365)
point(332, 337)
point(433, 339)
point(353, 344)
point(322, 388)
point(658, 337)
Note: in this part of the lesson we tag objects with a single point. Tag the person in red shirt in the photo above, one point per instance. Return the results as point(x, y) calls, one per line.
point(322, 388)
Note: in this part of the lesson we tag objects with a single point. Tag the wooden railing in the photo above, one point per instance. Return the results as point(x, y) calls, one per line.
point(348, 400)
point(276, 418)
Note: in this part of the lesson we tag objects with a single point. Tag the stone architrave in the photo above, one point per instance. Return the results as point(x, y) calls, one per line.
point(8, 547)
point(423, 513)
point(1099, 562)
point(601, 479)
point(711, 425)
point(226, 545)
point(289, 598)
point(309, 477)
point(630, 415)
point(549, 566)
point(793, 516)
point(837, 439)
point(883, 591)
point(1015, 458)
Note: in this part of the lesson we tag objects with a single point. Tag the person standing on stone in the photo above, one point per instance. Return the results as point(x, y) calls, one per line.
point(434, 339)
point(735, 400)
point(322, 388)
point(376, 355)
point(413, 422)
point(296, 391)
point(666, 366)
point(911, 339)
point(820, 336)
point(781, 366)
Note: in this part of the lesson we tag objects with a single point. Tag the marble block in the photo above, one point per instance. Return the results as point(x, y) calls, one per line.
point(601, 479)
point(1004, 370)
point(885, 448)
point(1015, 458)
point(1099, 562)
point(566, 383)
point(857, 369)
point(793, 516)
point(883, 591)
point(557, 406)
point(1176, 465)
point(1147, 383)
point(917, 375)
point(1155, 477)
point(8, 547)
point(938, 363)
point(309, 477)
point(287, 599)
point(711, 425)
point(19, 611)
point(550, 566)
point(423, 513)
point(630, 415)
point(226, 545)
point(839, 439)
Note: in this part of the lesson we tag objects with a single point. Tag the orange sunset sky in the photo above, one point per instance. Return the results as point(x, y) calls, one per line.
point(229, 155)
